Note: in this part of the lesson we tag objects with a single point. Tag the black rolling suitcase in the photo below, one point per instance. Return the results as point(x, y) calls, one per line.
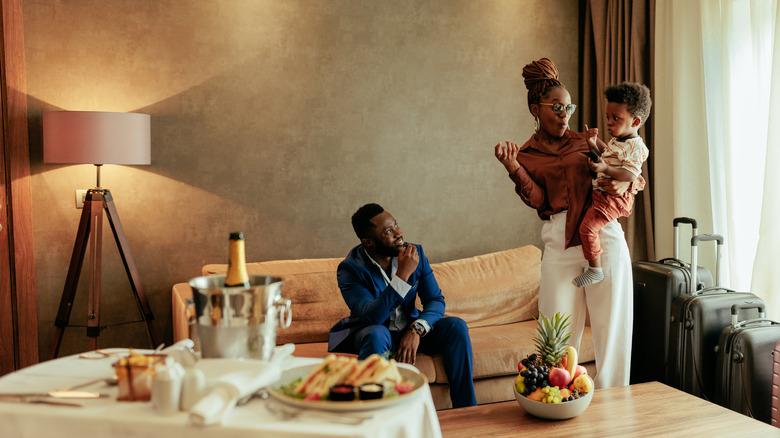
point(696, 322)
point(656, 284)
point(744, 364)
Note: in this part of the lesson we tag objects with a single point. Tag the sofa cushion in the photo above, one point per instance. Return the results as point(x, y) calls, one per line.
point(492, 289)
point(316, 306)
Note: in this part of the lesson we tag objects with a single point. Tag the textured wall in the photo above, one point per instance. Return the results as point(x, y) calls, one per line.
point(280, 118)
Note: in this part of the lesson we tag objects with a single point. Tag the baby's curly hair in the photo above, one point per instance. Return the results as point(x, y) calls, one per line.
point(636, 96)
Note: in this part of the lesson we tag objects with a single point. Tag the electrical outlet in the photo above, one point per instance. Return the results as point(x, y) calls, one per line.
point(81, 196)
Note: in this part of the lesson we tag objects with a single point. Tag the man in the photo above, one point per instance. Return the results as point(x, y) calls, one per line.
point(379, 280)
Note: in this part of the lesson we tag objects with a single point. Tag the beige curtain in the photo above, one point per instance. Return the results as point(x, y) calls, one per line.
point(617, 46)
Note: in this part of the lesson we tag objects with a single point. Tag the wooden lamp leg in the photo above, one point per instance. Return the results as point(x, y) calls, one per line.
point(91, 224)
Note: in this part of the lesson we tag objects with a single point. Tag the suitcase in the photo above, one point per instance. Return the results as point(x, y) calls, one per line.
point(656, 284)
point(696, 321)
point(776, 387)
point(743, 377)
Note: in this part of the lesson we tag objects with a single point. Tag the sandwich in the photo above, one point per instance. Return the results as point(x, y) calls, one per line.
point(330, 372)
point(336, 370)
point(374, 369)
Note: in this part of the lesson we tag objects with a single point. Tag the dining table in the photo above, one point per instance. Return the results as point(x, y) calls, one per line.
point(413, 416)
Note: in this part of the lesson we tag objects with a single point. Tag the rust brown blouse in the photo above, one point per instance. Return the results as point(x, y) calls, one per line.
point(560, 180)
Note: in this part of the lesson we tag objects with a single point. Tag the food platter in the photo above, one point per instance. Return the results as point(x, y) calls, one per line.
point(408, 373)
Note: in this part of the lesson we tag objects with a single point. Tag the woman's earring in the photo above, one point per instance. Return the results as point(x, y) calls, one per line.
point(536, 124)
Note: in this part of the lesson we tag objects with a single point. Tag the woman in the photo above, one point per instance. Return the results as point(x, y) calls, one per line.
point(551, 175)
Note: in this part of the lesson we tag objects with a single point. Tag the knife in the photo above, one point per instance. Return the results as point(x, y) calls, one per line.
point(29, 399)
point(57, 394)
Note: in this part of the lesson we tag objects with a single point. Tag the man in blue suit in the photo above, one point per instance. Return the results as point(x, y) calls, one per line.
point(379, 280)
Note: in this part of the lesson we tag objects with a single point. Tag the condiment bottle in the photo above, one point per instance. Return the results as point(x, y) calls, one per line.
point(236, 274)
point(166, 392)
point(192, 387)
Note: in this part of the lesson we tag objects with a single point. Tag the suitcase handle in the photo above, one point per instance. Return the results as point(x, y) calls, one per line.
point(695, 256)
point(672, 261)
point(714, 289)
point(683, 220)
point(757, 321)
point(744, 306)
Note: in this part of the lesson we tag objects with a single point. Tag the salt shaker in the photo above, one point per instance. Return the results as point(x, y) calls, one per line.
point(166, 393)
point(192, 387)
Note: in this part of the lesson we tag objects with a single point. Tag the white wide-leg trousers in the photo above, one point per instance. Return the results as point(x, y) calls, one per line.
point(609, 302)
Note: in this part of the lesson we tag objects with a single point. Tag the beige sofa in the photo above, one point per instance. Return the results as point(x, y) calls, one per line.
point(496, 294)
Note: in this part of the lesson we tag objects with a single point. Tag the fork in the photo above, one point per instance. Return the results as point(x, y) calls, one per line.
point(288, 413)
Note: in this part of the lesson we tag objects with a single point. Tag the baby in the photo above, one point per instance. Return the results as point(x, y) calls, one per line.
point(628, 106)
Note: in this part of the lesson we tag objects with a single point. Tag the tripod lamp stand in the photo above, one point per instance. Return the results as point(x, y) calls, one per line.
point(92, 137)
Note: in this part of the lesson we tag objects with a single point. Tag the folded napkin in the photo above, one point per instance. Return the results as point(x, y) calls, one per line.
point(224, 392)
point(183, 352)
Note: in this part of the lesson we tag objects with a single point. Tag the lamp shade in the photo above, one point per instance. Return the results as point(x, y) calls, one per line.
point(96, 137)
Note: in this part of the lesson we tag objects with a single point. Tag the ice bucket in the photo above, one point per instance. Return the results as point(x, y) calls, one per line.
point(239, 322)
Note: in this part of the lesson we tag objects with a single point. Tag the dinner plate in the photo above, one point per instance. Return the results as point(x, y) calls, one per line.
point(409, 374)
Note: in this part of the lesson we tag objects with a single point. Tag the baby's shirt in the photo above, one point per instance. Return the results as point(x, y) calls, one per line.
point(629, 155)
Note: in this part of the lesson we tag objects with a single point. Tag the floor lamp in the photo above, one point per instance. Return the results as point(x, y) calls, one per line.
point(92, 137)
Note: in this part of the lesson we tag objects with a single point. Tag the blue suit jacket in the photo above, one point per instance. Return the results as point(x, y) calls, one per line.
point(372, 302)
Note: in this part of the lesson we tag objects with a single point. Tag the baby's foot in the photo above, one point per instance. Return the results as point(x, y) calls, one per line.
point(590, 276)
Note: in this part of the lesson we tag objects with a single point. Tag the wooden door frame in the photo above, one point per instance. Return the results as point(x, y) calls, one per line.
point(16, 217)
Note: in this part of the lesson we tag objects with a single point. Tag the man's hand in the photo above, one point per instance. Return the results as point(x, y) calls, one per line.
point(408, 259)
point(407, 350)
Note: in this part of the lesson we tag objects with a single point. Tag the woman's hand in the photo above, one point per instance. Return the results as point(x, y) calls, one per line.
point(617, 188)
point(613, 186)
point(507, 155)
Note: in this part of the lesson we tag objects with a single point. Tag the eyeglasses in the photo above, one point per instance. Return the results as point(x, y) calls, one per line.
point(558, 108)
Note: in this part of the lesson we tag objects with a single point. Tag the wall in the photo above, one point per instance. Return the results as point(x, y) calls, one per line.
point(280, 118)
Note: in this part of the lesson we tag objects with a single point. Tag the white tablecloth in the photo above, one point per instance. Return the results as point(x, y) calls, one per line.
point(415, 417)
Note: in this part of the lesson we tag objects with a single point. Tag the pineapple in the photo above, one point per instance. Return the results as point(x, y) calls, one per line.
point(552, 338)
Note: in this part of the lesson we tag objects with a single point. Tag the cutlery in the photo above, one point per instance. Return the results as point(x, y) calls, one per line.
point(34, 399)
point(57, 394)
point(110, 381)
point(289, 413)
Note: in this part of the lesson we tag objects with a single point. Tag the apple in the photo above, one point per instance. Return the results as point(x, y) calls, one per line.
point(520, 367)
point(559, 377)
point(578, 372)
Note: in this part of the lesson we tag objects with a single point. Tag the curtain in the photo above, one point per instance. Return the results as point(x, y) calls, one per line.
point(721, 59)
point(739, 50)
point(617, 46)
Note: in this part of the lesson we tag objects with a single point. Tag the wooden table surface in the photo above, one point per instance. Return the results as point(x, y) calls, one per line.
point(647, 409)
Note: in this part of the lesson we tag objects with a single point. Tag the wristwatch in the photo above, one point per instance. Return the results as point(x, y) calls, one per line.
point(418, 328)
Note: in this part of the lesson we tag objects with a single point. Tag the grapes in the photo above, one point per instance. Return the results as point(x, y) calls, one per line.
point(551, 394)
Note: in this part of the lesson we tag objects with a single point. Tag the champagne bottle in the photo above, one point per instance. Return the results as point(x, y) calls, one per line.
point(236, 274)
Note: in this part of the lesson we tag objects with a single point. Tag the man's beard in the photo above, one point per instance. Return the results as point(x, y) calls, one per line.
point(387, 251)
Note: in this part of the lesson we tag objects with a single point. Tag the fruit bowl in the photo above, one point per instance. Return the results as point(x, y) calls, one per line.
point(555, 411)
